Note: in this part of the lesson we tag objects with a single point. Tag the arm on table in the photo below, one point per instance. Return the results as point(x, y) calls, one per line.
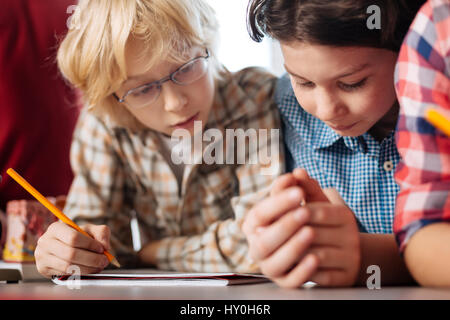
point(382, 250)
point(427, 255)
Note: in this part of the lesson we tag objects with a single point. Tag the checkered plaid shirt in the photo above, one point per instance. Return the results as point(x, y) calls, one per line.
point(117, 171)
point(360, 168)
point(422, 78)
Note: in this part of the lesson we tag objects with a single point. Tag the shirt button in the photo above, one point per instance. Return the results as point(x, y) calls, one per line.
point(388, 166)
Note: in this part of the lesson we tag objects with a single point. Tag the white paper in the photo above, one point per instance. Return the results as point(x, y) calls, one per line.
point(161, 279)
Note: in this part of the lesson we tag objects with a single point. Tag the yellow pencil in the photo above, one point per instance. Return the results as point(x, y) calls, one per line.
point(438, 120)
point(53, 209)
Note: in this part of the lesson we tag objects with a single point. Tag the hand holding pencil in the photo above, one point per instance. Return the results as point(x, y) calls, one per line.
point(65, 244)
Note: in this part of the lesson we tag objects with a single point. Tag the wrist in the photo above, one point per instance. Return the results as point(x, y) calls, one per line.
point(148, 255)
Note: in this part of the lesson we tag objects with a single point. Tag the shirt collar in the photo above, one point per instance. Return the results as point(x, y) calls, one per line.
point(318, 135)
point(324, 136)
point(361, 144)
point(312, 131)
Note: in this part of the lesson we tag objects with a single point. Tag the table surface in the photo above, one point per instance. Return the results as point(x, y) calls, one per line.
point(46, 290)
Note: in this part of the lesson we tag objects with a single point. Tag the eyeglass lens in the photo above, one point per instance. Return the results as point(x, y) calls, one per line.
point(148, 93)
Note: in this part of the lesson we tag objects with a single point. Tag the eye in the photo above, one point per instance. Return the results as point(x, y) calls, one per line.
point(144, 90)
point(301, 83)
point(187, 68)
point(353, 86)
point(307, 84)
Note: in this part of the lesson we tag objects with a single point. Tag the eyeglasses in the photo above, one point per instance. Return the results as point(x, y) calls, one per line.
point(148, 93)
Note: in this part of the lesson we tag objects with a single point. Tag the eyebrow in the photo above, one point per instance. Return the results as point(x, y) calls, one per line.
point(143, 76)
point(137, 77)
point(345, 74)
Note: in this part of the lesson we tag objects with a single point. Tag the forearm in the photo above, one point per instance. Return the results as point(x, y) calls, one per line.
point(222, 248)
point(148, 254)
point(427, 255)
point(382, 250)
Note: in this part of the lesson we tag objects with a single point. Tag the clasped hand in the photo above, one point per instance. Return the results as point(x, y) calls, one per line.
point(302, 233)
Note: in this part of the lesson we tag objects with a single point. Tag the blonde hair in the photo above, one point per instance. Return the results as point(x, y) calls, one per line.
point(92, 55)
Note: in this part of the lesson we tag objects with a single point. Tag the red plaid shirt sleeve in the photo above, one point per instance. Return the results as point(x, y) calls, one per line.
point(422, 79)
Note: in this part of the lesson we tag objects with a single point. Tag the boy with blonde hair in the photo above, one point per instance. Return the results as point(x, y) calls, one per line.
point(148, 69)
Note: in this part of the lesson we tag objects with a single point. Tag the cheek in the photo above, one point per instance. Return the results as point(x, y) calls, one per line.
point(380, 99)
point(150, 117)
point(306, 101)
point(389, 96)
point(201, 94)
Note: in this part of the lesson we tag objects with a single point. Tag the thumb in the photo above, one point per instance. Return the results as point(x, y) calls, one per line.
point(100, 233)
point(282, 182)
point(334, 196)
point(310, 186)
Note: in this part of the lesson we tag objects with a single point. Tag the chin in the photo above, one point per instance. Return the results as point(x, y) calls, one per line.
point(350, 133)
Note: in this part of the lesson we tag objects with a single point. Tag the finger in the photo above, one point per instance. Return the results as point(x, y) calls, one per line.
point(330, 257)
point(332, 278)
point(270, 238)
point(73, 238)
point(311, 187)
point(101, 233)
point(301, 174)
point(334, 196)
point(65, 267)
point(44, 269)
point(329, 237)
point(300, 274)
point(50, 272)
point(50, 264)
point(288, 255)
point(75, 255)
point(327, 214)
point(283, 182)
point(271, 208)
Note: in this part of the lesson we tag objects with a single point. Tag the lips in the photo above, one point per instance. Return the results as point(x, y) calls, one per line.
point(186, 122)
point(342, 127)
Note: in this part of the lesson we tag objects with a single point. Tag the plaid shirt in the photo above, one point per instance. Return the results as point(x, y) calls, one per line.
point(360, 168)
point(422, 78)
point(117, 171)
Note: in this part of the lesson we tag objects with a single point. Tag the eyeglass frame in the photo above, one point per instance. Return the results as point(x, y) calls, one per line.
point(160, 82)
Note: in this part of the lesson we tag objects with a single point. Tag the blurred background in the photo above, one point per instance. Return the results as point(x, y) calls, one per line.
point(237, 49)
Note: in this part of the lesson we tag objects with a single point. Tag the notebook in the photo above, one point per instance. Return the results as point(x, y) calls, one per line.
point(159, 279)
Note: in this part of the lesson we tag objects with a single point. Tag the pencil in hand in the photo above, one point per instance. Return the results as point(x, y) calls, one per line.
point(53, 209)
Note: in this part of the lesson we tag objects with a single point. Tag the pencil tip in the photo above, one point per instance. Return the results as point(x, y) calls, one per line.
point(115, 262)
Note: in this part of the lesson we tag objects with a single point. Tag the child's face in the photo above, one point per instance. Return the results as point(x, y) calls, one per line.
point(177, 106)
point(348, 88)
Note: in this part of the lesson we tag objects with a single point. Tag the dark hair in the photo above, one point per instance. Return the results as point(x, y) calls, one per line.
point(332, 22)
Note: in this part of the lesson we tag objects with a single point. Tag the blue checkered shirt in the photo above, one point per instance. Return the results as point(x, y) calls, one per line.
point(360, 168)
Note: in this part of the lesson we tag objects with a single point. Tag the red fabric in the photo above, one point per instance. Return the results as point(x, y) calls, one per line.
point(37, 110)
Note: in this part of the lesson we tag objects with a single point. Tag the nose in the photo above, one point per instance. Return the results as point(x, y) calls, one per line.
point(174, 97)
point(328, 106)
